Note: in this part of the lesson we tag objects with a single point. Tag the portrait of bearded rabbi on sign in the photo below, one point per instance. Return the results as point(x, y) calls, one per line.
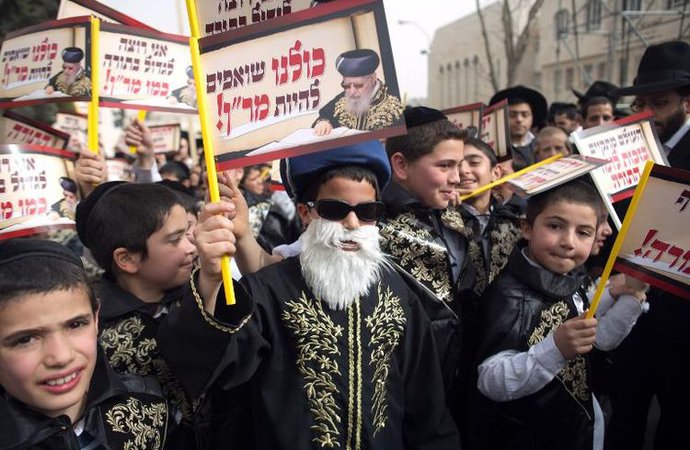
point(365, 103)
point(72, 79)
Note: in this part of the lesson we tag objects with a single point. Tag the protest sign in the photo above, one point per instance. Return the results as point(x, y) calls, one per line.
point(30, 187)
point(75, 125)
point(145, 70)
point(554, 174)
point(268, 85)
point(223, 15)
point(49, 62)
point(628, 144)
point(467, 117)
point(495, 129)
point(17, 129)
point(166, 138)
point(656, 242)
point(77, 8)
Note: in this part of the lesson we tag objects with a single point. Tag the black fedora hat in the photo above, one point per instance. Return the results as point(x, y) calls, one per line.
point(535, 100)
point(598, 88)
point(663, 67)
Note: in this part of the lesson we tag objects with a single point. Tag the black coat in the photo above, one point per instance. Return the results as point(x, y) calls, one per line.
point(365, 377)
point(519, 309)
point(120, 410)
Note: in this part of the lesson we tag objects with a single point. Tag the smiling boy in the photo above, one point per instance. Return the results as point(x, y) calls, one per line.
point(56, 388)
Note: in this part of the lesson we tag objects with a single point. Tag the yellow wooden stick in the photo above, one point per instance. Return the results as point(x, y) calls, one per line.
point(207, 136)
point(141, 116)
point(619, 240)
point(92, 122)
point(500, 181)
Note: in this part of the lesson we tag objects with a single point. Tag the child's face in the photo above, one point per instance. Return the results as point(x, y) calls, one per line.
point(561, 237)
point(433, 178)
point(48, 350)
point(476, 171)
point(603, 232)
point(345, 190)
point(170, 254)
point(547, 146)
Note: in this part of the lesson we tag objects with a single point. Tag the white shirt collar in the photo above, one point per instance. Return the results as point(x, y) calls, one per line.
point(529, 137)
point(678, 135)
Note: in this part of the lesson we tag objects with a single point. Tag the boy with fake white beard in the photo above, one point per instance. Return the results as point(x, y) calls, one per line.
point(333, 347)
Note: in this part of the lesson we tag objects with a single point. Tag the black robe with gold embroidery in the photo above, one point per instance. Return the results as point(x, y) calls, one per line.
point(121, 412)
point(363, 378)
point(518, 310)
point(385, 111)
point(129, 337)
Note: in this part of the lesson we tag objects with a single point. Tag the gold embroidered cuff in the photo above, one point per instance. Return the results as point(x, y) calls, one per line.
point(211, 320)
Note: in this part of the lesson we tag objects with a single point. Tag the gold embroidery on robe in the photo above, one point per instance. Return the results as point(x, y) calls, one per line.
point(143, 422)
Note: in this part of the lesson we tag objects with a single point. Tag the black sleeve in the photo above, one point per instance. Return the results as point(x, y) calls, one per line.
point(428, 423)
point(199, 347)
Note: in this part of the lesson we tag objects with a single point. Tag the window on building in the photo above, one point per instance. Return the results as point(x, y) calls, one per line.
point(557, 81)
point(632, 5)
point(675, 4)
point(593, 15)
point(562, 18)
point(589, 73)
point(569, 78)
point(601, 71)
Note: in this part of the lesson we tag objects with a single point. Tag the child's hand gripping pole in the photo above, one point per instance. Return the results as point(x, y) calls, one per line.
point(209, 153)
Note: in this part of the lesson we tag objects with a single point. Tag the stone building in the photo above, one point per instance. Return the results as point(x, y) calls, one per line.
point(572, 44)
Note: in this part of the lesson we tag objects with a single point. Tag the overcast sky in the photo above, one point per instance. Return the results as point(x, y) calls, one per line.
point(407, 40)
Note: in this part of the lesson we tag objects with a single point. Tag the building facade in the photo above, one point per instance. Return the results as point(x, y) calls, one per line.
point(571, 44)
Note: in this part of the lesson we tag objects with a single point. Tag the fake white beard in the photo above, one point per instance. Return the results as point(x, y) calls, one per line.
point(336, 276)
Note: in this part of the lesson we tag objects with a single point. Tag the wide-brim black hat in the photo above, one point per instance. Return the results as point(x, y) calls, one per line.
point(598, 88)
point(357, 63)
point(535, 100)
point(663, 67)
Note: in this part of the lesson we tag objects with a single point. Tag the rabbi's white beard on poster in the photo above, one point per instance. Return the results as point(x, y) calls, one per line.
point(339, 277)
point(359, 105)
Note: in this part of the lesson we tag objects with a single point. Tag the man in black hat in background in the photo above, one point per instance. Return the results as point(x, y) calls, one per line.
point(653, 359)
point(72, 79)
point(527, 109)
point(365, 103)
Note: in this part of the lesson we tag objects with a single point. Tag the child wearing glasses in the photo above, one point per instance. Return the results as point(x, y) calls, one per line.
point(332, 346)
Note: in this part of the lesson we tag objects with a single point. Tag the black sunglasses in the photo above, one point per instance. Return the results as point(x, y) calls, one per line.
point(338, 209)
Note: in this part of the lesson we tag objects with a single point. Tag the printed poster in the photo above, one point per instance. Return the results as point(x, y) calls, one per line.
point(656, 247)
point(313, 80)
point(17, 129)
point(495, 129)
point(49, 62)
point(467, 117)
point(218, 16)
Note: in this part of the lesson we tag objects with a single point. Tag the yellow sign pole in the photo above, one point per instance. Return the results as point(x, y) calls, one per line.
point(209, 153)
point(141, 116)
point(619, 240)
point(92, 127)
point(500, 181)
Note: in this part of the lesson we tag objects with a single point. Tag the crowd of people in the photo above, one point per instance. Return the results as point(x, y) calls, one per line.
point(372, 309)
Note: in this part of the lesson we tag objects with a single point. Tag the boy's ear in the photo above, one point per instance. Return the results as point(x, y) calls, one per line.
point(526, 229)
point(496, 172)
point(399, 166)
point(126, 261)
point(303, 213)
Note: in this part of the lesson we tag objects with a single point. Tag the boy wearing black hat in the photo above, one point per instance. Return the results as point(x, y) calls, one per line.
point(527, 109)
point(365, 103)
point(336, 349)
point(56, 388)
point(72, 79)
point(653, 350)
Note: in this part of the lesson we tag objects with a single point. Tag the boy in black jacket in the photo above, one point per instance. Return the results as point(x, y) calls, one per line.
point(56, 388)
point(534, 375)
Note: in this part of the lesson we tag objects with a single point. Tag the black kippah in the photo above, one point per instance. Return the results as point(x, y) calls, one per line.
point(420, 115)
point(85, 207)
point(16, 249)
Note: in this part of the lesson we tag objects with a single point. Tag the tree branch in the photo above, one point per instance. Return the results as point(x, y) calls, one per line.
point(492, 70)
